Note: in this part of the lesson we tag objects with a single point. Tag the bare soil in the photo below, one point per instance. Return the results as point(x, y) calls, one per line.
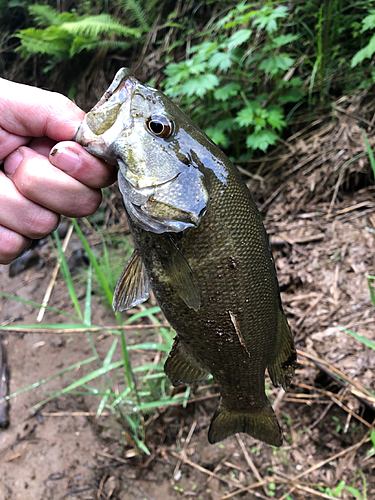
point(320, 214)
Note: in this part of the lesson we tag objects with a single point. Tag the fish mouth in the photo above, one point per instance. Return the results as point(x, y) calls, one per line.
point(149, 190)
point(109, 118)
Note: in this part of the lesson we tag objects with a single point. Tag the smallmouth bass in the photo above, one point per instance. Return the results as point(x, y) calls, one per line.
point(202, 247)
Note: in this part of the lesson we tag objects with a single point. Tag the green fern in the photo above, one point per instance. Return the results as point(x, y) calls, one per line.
point(139, 14)
point(93, 26)
point(51, 41)
point(79, 44)
point(65, 35)
point(46, 16)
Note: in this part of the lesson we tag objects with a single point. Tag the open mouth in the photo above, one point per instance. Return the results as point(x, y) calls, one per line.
point(109, 118)
point(149, 189)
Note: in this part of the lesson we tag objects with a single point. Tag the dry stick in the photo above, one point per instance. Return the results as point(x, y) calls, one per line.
point(201, 469)
point(314, 492)
point(74, 414)
point(314, 304)
point(338, 372)
point(85, 329)
point(311, 469)
point(353, 414)
point(54, 276)
point(242, 490)
point(350, 209)
point(333, 457)
point(250, 463)
point(183, 452)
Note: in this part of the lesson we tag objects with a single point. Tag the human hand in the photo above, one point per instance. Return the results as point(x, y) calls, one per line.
point(43, 177)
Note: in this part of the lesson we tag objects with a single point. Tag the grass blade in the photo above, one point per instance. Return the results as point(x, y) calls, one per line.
point(369, 151)
point(364, 340)
point(36, 304)
point(67, 276)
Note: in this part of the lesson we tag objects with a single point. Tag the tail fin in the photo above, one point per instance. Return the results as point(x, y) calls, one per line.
point(261, 424)
point(281, 370)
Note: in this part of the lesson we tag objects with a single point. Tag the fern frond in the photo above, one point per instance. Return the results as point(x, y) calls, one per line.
point(52, 41)
point(80, 44)
point(99, 25)
point(46, 16)
point(138, 13)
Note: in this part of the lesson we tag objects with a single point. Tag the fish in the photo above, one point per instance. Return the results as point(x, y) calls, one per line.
point(201, 247)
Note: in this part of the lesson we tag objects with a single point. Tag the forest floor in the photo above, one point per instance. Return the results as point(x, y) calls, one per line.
point(319, 200)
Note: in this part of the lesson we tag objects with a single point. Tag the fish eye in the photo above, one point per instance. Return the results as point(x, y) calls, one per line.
point(160, 126)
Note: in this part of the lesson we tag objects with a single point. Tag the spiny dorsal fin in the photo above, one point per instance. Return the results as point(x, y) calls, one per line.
point(133, 286)
point(179, 272)
point(181, 367)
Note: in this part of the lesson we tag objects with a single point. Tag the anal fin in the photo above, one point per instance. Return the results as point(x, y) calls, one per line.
point(281, 369)
point(181, 367)
point(133, 286)
point(261, 423)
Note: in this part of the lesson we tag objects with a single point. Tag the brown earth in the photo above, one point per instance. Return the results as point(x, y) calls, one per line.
point(320, 214)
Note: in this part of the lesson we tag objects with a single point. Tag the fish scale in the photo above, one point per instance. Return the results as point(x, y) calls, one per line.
point(201, 245)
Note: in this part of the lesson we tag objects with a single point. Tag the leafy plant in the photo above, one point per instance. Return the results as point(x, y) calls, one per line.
point(368, 24)
point(63, 36)
point(241, 72)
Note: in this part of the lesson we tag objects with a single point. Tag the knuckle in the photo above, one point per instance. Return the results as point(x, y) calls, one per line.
point(42, 223)
point(12, 245)
point(87, 205)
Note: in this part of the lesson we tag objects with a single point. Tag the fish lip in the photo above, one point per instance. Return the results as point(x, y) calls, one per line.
point(149, 190)
point(120, 93)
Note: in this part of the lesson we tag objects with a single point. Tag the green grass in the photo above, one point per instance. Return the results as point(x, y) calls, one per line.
point(142, 388)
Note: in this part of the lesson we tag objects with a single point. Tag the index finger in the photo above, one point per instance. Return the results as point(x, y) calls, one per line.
point(30, 111)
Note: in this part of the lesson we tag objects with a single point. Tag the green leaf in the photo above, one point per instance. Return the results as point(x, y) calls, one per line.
point(245, 116)
point(90, 376)
point(369, 283)
point(221, 61)
point(268, 17)
point(372, 160)
point(368, 23)
point(52, 41)
point(281, 40)
point(217, 136)
point(275, 117)
point(261, 139)
point(227, 91)
point(200, 85)
point(354, 492)
point(99, 25)
point(365, 53)
point(275, 64)
point(45, 15)
point(238, 38)
point(67, 276)
point(35, 304)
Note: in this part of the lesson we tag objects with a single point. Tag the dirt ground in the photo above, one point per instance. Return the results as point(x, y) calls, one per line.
point(320, 215)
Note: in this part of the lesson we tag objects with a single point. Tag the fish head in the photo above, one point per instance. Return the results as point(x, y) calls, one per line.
point(156, 147)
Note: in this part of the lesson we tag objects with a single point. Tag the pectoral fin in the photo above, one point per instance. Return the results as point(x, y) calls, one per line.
point(179, 272)
point(181, 367)
point(133, 286)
